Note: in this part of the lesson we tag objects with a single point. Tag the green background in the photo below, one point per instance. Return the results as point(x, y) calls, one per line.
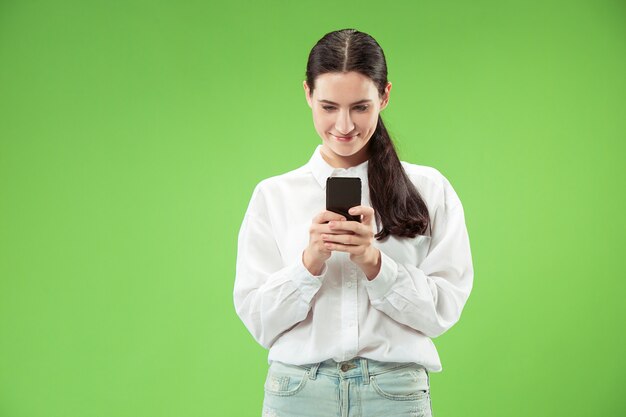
point(133, 133)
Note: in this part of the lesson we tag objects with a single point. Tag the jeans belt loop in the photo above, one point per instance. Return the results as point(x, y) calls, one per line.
point(365, 371)
point(313, 370)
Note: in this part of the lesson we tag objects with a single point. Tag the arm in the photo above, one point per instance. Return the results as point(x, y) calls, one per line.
point(430, 298)
point(269, 297)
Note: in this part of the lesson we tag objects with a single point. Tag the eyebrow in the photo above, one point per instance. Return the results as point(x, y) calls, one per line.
point(356, 102)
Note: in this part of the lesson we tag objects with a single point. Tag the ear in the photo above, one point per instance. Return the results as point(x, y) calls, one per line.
point(307, 93)
point(385, 99)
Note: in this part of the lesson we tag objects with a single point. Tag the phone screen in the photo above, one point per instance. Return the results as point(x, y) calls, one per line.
point(343, 193)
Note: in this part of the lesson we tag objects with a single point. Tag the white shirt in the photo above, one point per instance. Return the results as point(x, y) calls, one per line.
point(418, 294)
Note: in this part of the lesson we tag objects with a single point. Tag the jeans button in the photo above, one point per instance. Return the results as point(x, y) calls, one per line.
point(346, 366)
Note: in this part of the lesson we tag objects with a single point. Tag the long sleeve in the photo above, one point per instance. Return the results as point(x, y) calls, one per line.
point(431, 297)
point(269, 297)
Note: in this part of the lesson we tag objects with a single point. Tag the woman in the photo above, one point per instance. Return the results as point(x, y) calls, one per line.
point(347, 309)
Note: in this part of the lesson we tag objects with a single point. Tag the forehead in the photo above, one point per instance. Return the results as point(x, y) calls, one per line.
point(344, 88)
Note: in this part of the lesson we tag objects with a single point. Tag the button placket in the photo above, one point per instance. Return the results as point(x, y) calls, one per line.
point(345, 308)
point(353, 306)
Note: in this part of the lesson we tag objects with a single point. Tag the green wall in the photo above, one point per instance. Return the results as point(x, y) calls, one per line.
point(132, 134)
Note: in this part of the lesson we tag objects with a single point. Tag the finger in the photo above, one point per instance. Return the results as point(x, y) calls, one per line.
point(330, 231)
point(365, 211)
point(342, 248)
point(325, 228)
point(349, 226)
point(331, 215)
point(342, 239)
point(326, 216)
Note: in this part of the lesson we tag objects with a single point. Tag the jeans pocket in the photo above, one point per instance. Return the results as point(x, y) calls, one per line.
point(405, 383)
point(284, 379)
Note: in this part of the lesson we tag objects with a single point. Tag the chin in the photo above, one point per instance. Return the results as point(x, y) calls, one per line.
point(344, 150)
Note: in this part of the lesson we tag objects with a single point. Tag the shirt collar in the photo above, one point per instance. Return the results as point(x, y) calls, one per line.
point(322, 170)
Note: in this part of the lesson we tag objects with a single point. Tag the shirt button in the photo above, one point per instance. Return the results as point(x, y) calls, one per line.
point(349, 284)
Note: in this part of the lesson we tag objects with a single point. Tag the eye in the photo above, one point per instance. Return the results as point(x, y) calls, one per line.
point(360, 108)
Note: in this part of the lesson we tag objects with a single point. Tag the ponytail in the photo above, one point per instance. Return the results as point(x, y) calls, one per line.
point(396, 202)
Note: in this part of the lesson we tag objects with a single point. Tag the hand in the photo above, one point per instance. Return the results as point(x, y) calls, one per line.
point(356, 238)
point(316, 254)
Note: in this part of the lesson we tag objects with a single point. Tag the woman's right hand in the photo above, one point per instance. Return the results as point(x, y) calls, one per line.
point(316, 254)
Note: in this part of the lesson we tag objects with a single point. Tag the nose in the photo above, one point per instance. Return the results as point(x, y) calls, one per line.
point(344, 124)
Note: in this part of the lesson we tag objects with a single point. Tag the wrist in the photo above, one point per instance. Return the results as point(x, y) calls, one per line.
point(314, 268)
point(372, 267)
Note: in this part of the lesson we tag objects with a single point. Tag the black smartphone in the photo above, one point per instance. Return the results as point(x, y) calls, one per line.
point(343, 193)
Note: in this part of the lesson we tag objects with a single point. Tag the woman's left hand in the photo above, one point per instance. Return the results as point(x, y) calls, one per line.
point(358, 240)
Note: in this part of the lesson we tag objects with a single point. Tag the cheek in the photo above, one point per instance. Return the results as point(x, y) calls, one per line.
point(324, 121)
point(367, 122)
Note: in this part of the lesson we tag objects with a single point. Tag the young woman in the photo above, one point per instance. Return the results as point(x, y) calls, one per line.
point(348, 309)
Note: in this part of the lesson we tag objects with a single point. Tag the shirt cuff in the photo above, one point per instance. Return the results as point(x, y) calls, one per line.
point(308, 283)
point(381, 284)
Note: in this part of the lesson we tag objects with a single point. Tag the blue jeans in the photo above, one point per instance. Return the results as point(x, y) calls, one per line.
point(358, 387)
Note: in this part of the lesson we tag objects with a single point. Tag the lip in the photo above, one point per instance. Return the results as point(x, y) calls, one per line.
point(344, 138)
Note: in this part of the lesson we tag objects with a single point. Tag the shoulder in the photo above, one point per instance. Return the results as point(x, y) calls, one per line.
point(281, 184)
point(285, 179)
point(431, 183)
point(423, 173)
point(427, 179)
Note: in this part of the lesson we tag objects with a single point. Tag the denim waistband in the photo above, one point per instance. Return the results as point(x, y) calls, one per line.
point(353, 368)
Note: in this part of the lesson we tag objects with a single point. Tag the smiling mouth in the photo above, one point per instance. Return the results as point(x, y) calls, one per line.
point(345, 137)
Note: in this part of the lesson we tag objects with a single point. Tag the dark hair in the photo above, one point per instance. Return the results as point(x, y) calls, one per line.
point(396, 202)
